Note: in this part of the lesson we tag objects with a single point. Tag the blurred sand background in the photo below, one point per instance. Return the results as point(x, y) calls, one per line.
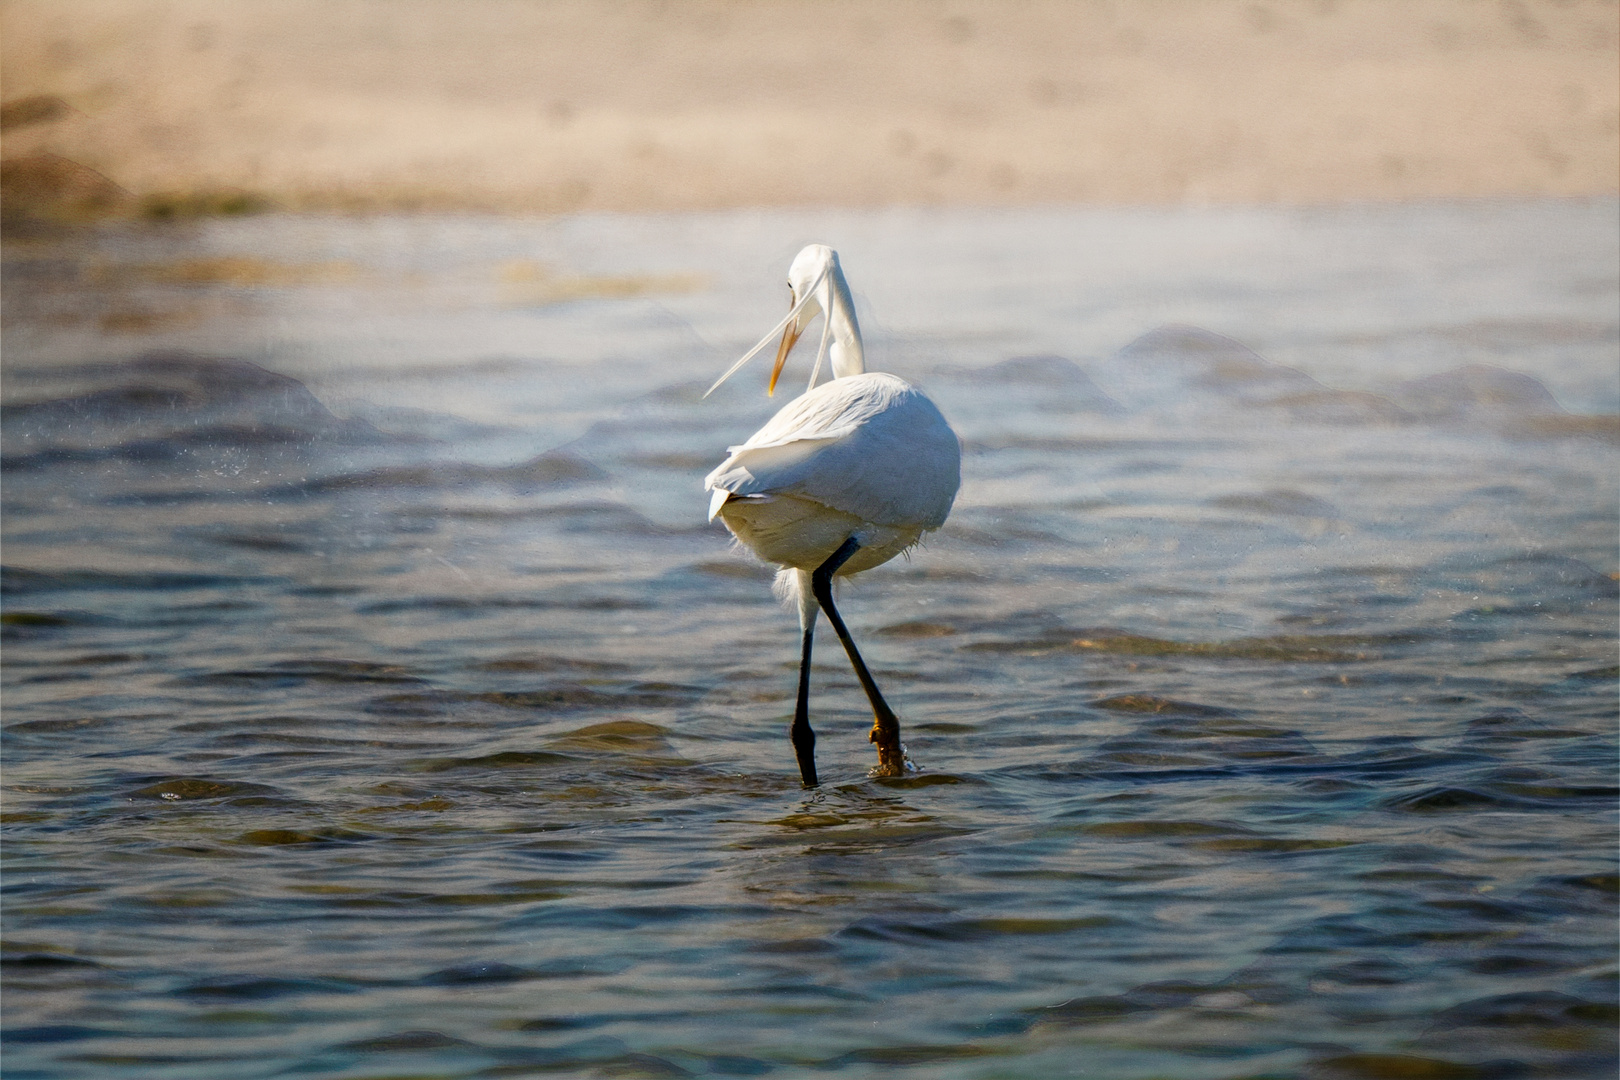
point(164, 108)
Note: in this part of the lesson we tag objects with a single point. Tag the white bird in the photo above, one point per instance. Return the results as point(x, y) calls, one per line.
point(842, 479)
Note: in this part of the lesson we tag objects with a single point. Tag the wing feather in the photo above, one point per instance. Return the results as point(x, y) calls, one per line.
point(869, 445)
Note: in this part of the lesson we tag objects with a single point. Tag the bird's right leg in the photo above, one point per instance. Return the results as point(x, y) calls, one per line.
point(885, 725)
point(804, 739)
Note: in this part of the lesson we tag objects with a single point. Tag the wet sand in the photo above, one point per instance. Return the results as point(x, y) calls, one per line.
point(636, 106)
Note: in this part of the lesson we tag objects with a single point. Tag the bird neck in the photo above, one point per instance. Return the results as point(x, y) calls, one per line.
point(846, 352)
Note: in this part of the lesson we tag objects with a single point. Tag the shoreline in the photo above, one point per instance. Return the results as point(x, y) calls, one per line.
point(24, 228)
point(192, 108)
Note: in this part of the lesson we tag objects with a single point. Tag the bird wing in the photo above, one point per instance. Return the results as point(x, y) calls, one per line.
point(868, 445)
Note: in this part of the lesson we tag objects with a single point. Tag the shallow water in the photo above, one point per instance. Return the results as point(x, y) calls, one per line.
point(389, 709)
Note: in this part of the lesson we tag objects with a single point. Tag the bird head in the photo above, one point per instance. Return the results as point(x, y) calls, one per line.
point(816, 286)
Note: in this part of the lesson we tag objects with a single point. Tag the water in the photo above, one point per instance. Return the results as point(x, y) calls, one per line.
point(388, 708)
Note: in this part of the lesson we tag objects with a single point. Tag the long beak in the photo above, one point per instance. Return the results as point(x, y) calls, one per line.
point(784, 326)
point(790, 336)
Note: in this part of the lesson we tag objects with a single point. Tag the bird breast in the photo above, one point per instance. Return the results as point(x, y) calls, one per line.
point(802, 533)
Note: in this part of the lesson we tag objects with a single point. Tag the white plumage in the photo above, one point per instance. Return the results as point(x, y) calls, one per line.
point(864, 455)
point(842, 479)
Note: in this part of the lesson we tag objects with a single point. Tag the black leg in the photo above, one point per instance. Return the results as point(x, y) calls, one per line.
point(804, 739)
point(886, 726)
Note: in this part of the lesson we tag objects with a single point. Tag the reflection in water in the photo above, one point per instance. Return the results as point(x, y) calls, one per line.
point(384, 707)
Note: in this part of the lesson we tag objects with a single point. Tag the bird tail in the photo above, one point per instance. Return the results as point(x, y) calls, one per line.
point(792, 587)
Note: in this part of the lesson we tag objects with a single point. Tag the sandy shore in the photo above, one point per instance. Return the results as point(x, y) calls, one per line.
point(544, 106)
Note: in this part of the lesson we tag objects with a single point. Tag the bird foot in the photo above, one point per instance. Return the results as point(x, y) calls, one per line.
point(892, 759)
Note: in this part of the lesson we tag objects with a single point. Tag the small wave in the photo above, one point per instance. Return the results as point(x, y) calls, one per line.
point(926, 779)
point(479, 973)
point(17, 580)
point(1151, 997)
point(298, 837)
point(1182, 369)
point(193, 788)
point(551, 469)
point(1511, 726)
point(473, 605)
point(560, 697)
point(1139, 830)
point(253, 988)
point(1149, 703)
point(58, 1033)
point(405, 1041)
point(981, 930)
point(1277, 502)
point(37, 620)
point(917, 628)
point(1475, 392)
point(529, 662)
point(181, 399)
point(633, 737)
point(45, 961)
point(1544, 575)
point(1542, 1009)
point(1171, 365)
point(1270, 845)
point(1285, 648)
point(1043, 383)
point(1326, 405)
point(1389, 1066)
point(1177, 736)
point(1601, 427)
point(296, 672)
point(1451, 800)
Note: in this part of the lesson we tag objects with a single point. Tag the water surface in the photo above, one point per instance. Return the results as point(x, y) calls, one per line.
point(378, 702)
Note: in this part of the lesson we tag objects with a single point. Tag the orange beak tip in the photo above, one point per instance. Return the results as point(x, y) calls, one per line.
point(789, 337)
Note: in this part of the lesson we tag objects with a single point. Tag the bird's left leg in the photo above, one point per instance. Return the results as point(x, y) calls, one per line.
point(886, 726)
